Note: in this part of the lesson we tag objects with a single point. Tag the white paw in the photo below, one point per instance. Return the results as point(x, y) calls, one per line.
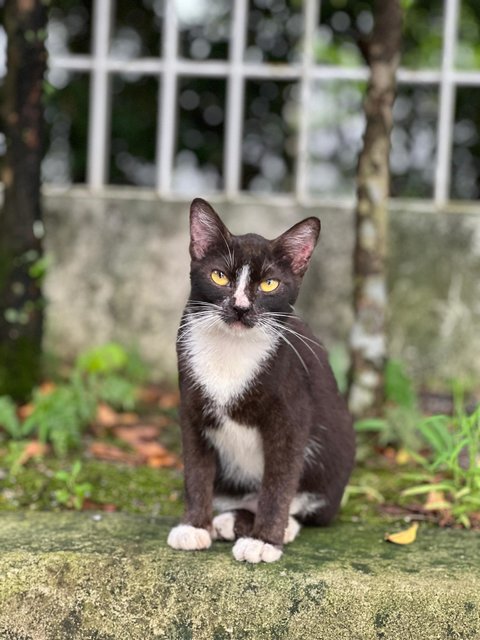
point(223, 526)
point(292, 530)
point(189, 538)
point(252, 550)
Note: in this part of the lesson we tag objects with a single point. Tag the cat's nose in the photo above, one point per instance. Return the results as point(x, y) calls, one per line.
point(240, 310)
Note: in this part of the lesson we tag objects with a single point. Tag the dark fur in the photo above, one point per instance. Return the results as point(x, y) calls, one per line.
point(287, 404)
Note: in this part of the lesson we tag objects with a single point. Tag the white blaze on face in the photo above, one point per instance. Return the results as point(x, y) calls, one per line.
point(240, 296)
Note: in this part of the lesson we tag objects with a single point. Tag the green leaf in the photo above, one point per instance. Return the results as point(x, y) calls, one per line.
point(8, 417)
point(398, 386)
point(107, 358)
point(426, 488)
point(370, 424)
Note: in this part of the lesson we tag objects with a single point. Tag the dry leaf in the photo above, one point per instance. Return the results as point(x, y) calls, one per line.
point(150, 449)
point(403, 537)
point(436, 501)
point(33, 449)
point(106, 416)
point(169, 400)
point(47, 387)
point(25, 411)
point(139, 433)
point(159, 462)
point(105, 451)
point(403, 457)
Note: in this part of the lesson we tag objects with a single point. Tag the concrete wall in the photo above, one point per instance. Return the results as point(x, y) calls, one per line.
point(120, 271)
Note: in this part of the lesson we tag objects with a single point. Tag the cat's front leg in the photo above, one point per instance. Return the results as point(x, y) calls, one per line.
point(194, 533)
point(282, 470)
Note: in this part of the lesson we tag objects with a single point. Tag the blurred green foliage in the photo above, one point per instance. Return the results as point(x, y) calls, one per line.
point(60, 415)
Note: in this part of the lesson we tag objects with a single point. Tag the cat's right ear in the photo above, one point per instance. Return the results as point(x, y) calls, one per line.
point(206, 229)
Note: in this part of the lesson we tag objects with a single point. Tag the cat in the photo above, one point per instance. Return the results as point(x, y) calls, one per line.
point(267, 438)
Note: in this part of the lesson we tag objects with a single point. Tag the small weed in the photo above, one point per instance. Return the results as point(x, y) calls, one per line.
point(72, 494)
point(453, 467)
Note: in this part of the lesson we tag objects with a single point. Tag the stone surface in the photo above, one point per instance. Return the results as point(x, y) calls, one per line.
point(77, 576)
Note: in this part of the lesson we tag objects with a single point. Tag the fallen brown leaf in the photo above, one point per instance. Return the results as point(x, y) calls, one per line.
point(159, 462)
point(98, 506)
point(138, 433)
point(169, 400)
point(25, 410)
point(105, 451)
point(106, 416)
point(33, 449)
point(150, 449)
point(47, 387)
point(436, 501)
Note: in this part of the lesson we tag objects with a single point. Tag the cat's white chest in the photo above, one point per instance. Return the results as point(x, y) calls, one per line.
point(223, 362)
point(240, 451)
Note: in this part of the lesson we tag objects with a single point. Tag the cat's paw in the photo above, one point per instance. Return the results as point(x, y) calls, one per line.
point(292, 530)
point(188, 538)
point(253, 550)
point(223, 526)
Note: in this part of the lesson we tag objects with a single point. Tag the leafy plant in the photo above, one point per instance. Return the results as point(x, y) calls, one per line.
point(107, 373)
point(60, 416)
point(8, 417)
point(72, 493)
point(453, 468)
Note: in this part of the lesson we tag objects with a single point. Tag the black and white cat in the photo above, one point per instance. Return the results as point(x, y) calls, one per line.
point(267, 438)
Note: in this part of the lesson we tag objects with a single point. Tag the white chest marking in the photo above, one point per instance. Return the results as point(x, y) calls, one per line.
point(225, 361)
point(240, 450)
point(240, 296)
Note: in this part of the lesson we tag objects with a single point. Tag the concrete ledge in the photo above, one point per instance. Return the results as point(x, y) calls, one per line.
point(67, 576)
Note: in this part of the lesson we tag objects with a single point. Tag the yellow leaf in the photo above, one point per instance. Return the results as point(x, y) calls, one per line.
point(403, 457)
point(436, 501)
point(403, 537)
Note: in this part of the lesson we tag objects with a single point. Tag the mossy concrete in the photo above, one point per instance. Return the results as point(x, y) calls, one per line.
point(112, 577)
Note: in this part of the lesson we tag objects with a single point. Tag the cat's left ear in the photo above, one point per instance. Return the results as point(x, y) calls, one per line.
point(297, 244)
point(206, 229)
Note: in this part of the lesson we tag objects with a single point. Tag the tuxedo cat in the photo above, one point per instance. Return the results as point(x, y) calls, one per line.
point(267, 438)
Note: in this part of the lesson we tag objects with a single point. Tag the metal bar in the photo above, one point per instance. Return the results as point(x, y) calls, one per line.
point(232, 150)
point(446, 114)
point(100, 95)
point(218, 68)
point(166, 120)
point(311, 16)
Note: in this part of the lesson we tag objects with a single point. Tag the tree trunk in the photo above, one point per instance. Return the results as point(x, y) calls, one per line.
point(21, 229)
point(368, 339)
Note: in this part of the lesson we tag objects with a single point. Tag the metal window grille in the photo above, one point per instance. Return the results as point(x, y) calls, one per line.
point(169, 67)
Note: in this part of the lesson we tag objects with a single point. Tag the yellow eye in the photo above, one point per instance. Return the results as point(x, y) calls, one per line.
point(219, 278)
point(269, 285)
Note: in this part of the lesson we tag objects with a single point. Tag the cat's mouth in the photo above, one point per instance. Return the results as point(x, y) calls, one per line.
point(239, 324)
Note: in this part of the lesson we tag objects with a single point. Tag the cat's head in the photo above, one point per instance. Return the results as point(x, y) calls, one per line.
point(246, 279)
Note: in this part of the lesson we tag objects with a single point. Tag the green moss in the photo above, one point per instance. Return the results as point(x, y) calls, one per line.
point(134, 489)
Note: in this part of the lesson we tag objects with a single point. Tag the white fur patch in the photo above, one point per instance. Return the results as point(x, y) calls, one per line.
point(240, 450)
point(240, 296)
point(303, 504)
point(292, 530)
point(188, 538)
point(252, 550)
point(223, 526)
point(225, 361)
point(306, 503)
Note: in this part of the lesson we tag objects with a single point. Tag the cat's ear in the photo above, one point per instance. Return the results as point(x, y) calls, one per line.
point(206, 229)
point(297, 244)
